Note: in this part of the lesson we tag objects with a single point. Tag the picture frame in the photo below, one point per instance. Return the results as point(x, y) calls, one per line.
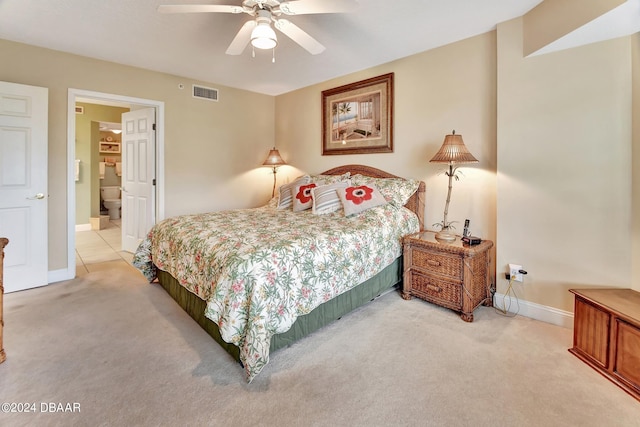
point(357, 118)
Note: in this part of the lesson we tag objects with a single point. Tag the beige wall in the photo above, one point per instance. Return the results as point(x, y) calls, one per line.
point(564, 166)
point(436, 92)
point(212, 149)
point(553, 135)
point(553, 19)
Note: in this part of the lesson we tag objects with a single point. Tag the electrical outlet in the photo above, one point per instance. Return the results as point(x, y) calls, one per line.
point(514, 272)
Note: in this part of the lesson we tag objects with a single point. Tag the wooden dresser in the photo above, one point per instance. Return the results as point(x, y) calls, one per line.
point(3, 242)
point(606, 334)
point(452, 275)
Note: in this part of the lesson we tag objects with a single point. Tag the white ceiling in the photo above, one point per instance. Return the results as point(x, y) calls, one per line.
point(132, 32)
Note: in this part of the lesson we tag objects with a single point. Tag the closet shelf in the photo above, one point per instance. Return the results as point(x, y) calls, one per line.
point(109, 147)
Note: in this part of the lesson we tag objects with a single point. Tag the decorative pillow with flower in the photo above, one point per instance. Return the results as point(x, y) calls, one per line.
point(285, 192)
point(326, 199)
point(396, 191)
point(302, 199)
point(356, 199)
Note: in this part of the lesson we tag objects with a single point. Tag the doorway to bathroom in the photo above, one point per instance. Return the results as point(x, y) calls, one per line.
point(96, 216)
point(98, 180)
point(98, 162)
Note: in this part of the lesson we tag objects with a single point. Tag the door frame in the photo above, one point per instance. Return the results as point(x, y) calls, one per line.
point(73, 95)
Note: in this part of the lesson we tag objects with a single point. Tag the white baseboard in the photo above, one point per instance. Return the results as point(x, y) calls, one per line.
point(60, 275)
point(83, 227)
point(535, 311)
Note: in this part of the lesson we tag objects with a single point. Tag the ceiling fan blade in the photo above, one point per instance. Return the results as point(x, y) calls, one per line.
point(199, 8)
point(297, 35)
point(241, 40)
point(305, 7)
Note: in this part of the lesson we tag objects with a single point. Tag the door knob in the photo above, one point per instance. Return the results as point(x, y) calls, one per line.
point(38, 196)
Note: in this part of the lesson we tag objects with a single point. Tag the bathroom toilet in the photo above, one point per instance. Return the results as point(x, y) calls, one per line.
point(111, 200)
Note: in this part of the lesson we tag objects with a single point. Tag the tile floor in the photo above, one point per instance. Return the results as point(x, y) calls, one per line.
point(94, 248)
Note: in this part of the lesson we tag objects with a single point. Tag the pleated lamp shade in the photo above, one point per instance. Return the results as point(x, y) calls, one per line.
point(274, 159)
point(453, 150)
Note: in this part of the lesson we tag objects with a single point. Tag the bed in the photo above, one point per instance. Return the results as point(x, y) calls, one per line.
point(259, 279)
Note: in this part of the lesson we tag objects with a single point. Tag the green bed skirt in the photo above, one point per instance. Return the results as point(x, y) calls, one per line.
point(304, 325)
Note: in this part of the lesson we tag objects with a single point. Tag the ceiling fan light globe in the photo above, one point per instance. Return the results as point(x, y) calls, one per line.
point(263, 43)
point(263, 37)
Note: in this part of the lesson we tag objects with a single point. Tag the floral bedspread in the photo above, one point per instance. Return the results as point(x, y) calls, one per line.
point(259, 269)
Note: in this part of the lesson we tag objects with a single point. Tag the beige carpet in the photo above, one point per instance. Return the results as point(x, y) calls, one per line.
point(128, 355)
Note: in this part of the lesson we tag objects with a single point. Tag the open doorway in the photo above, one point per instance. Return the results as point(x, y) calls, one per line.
point(106, 239)
point(98, 183)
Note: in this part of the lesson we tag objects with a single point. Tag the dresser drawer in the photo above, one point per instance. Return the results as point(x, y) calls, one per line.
point(446, 294)
point(444, 264)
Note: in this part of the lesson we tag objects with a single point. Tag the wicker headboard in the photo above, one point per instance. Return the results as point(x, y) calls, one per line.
point(415, 203)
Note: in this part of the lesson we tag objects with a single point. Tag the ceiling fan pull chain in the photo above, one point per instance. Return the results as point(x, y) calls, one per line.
point(273, 55)
point(253, 52)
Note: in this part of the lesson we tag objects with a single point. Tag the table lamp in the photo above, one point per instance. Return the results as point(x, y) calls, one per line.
point(274, 160)
point(453, 151)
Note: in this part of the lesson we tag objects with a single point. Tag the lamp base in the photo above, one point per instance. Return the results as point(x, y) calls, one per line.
point(445, 236)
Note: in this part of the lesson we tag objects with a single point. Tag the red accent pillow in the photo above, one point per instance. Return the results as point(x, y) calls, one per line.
point(285, 192)
point(302, 199)
point(359, 199)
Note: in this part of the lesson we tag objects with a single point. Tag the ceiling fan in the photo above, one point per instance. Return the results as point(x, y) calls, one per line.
point(258, 31)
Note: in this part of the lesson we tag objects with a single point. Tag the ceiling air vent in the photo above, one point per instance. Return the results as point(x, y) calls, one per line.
point(207, 93)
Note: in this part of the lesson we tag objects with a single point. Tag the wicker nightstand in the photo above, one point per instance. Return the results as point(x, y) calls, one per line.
point(452, 275)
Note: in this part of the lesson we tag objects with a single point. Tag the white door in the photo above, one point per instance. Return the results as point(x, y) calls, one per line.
point(138, 176)
point(23, 184)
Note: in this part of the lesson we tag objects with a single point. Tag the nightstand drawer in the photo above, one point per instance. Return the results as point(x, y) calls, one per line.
point(443, 293)
point(446, 265)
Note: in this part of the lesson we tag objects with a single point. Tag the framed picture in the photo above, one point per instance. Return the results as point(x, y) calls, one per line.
point(358, 118)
